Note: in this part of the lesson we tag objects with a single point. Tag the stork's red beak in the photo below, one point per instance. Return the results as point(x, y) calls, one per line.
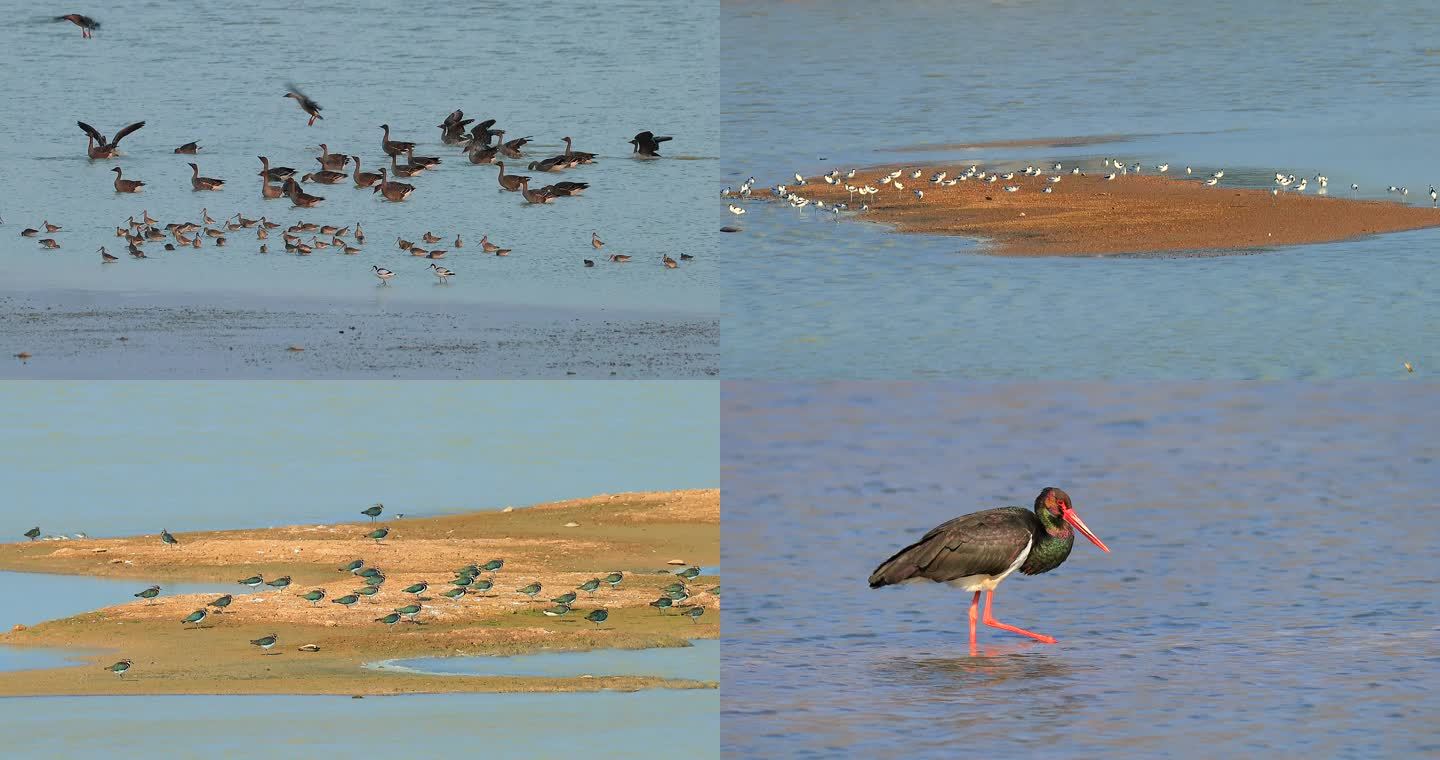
point(1069, 516)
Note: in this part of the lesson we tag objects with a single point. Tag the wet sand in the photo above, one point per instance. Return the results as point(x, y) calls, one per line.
point(1132, 214)
point(73, 335)
point(635, 533)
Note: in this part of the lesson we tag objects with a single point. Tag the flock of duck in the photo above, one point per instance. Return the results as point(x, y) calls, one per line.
point(481, 143)
point(469, 580)
point(897, 180)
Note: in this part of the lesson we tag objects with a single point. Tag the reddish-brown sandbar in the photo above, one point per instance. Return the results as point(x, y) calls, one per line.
point(1136, 213)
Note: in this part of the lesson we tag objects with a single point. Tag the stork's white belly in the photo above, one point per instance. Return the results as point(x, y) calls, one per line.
point(989, 582)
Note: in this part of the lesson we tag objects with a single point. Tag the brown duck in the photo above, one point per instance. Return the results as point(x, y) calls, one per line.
point(98, 146)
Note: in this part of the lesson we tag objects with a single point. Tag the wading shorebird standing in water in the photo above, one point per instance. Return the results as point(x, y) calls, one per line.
point(977, 551)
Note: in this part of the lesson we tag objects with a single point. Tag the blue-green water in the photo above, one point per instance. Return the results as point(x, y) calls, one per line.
point(1269, 590)
point(1330, 88)
point(121, 458)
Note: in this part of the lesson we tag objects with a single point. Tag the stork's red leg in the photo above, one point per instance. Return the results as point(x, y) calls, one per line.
point(974, 613)
point(993, 623)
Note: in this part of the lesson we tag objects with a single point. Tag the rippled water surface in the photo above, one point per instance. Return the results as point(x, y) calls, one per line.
point(700, 661)
point(1268, 591)
point(1330, 88)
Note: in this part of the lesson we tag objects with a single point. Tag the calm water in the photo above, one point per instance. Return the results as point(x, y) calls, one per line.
point(1206, 85)
point(656, 723)
point(30, 598)
point(1270, 570)
point(217, 72)
point(700, 661)
point(230, 455)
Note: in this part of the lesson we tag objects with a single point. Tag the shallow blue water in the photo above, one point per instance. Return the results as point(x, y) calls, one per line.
point(216, 73)
point(655, 723)
point(1247, 87)
point(121, 458)
point(1268, 590)
point(30, 598)
point(700, 661)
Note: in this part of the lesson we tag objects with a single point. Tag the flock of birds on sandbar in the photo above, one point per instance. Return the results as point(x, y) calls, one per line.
point(479, 142)
point(470, 580)
point(1014, 180)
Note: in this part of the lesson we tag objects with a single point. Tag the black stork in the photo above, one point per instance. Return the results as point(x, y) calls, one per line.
point(977, 551)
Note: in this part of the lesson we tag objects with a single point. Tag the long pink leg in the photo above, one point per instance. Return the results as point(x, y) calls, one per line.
point(974, 613)
point(993, 623)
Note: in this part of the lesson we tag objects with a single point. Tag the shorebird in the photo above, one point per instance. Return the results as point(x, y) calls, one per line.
point(454, 594)
point(595, 241)
point(1219, 174)
point(441, 272)
point(493, 565)
point(149, 593)
point(168, 539)
point(1354, 188)
point(530, 590)
point(306, 104)
point(346, 600)
point(1213, 181)
point(662, 603)
point(265, 642)
point(374, 511)
point(409, 610)
point(1012, 188)
point(195, 618)
point(220, 603)
point(668, 262)
point(614, 579)
point(367, 591)
point(106, 257)
point(384, 275)
point(379, 534)
point(977, 551)
point(694, 613)
point(1433, 196)
point(566, 598)
point(282, 582)
point(390, 619)
point(481, 586)
point(417, 589)
point(352, 567)
point(253, 581)
point(589, 586)
point(1162, 168)
point(1109, 176)
point(87, 30)
point(556, 611)
point(313, 597)
point(597, 616)
point(120, 667)
point(689, 573)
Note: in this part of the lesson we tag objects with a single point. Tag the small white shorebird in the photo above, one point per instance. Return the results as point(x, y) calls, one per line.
point(1109, 176)
point(1213, 181)
point(1162, 168)
point(1433, 196)
point(1219, 174)
point(736, 210)
point(919, 194)
point(1188, 170)
point(443, 273)
point(1354, 188)
point(384, 274)
point(799, 180)
point(1012, 188)
point(898, 186)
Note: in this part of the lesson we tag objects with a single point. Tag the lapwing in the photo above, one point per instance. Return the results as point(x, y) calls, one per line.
point(265, 642)
point(673, 587)
point(492, 566)
point(346, 600)
point(463, 580)
point(149, 593)
point(120, 667)
point(417, 589)
point(597, 616)
point(409, 610)
point(374, 512)
point(378, 534)
point(253, 581)
point(557, 610)
point(353, 567)
point(695, 613)
point(195, 618)
point(314, 597)
point(167, 538)
point(481, 586)
point(471, 570)
point(369, 572)
point(565, 598)
point(530, 590)
point(661, 604)
point(390, 619)
point(689, 573)
point(375, 580)
point(589, 586)
point(677, 596)
point(454, 594)
point(282, 582)
point(614, 579)
point(221, 603)
point(33, 533)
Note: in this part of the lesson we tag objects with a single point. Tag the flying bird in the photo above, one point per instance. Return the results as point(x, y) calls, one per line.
point(98, 146)
point(306, 104)
point(87, 25)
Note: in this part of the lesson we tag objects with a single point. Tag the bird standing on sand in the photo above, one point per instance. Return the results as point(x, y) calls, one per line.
point(314, 597)
point(195, 618)
point(281, 583)
point(695, 613)
point(662, 604)
point(390, 619)
point(409, 610)
point(589, 586)
point(378, 534)
point(614, 579)
point(556, 611)
point(493, 566)
point(353, 566)
point(265, 642)
point(598, 616)
point(346, 600)
point(530, 590)
point(977, 551)
point(417, 589)
point(221, 603)
point(306, 104)
point(33, 533)
point(167, 538)
point(149, 593)
point(120, 667)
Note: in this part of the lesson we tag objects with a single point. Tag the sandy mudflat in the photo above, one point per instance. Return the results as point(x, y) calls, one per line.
point(637, 533)
point(1088, 215)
